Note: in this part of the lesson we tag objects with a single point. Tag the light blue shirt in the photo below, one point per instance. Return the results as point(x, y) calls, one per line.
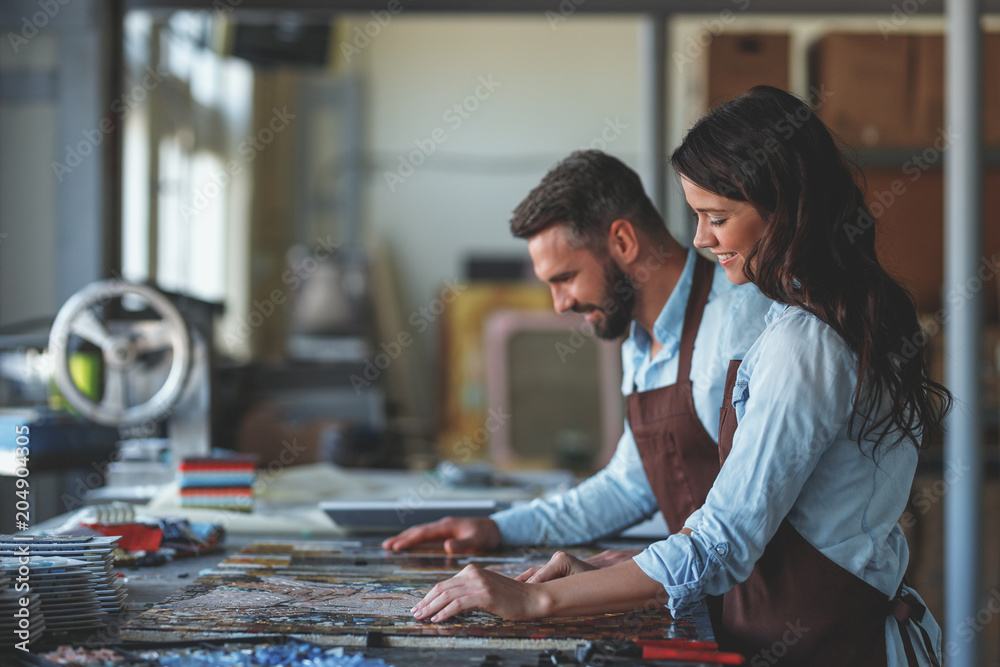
point(619, 495)
point(793, 457)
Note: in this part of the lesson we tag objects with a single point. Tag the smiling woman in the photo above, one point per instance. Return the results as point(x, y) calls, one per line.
point(820, 426)
point(732, 230)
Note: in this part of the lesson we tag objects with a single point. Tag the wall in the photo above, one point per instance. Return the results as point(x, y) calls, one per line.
point(27, 189)
point(558, 86)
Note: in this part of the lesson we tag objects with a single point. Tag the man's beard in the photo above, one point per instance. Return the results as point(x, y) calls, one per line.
point(617, 305)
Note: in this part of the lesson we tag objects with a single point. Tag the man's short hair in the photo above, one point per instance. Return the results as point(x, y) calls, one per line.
point(587, 192)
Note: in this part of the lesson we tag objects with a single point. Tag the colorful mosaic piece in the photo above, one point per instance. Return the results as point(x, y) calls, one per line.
point(347, 593)
point(285, 654)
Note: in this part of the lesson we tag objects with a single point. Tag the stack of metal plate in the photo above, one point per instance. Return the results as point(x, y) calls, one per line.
point(19, 622)
point(73, 575)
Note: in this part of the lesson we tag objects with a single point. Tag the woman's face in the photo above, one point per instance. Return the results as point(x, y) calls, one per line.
point(727, 227)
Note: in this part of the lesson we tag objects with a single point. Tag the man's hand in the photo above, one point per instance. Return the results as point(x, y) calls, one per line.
point(458, 535)
point(560, 565)
point(612, 557)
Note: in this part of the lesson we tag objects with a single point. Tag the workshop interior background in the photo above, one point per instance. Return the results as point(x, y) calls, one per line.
point(332, 193)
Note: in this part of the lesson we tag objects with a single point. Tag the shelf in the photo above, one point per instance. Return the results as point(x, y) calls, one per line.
point(893, 157)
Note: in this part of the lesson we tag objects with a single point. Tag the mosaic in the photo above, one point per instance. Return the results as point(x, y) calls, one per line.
point(332, 592)
point(286, 654)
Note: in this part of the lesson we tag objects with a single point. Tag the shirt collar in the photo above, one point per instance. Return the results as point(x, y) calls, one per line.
point(774, 312)
point(670, 321)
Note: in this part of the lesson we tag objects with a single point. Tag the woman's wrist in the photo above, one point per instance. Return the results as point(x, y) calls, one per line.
point(544, 600)
point(621, 587)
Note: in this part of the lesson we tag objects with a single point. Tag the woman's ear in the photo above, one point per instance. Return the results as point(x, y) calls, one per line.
point(623, 242)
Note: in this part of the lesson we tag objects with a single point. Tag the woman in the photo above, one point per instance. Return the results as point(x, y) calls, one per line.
point(819, 431)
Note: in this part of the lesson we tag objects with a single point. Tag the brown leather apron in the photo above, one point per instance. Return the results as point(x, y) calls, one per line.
point(799, 607)
point(680, 458)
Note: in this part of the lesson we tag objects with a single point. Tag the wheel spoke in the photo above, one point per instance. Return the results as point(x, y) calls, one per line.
point(153, 336)
point(114, 389)
point(89, 327)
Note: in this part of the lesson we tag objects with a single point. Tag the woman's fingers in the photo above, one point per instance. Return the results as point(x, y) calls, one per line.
point(526, 575)
point(547, 572)
point(434, 605)
point(560, 565)
point(478, 588)
point(452, 608)
point(443, 594)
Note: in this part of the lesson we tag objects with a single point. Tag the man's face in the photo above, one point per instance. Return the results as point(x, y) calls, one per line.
point(582, 282)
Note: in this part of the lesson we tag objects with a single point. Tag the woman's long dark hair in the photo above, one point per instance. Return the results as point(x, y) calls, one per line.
point(768, 148)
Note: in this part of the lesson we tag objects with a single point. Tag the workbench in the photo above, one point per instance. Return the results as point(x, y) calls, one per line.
point(287, 514)
point(150, 586)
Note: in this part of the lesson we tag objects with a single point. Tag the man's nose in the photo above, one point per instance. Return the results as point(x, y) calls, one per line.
point(561, 301)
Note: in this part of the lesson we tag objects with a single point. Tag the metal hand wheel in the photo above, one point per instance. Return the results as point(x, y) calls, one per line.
point(123, 344)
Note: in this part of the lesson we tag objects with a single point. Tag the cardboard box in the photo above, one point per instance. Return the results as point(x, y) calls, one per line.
point(869, 82)
point(928, 92)
point(737, 63)
point(910, 237)
point(991, 88)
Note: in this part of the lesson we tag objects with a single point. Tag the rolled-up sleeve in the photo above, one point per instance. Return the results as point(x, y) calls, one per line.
point(616, 497)
point(794, 394)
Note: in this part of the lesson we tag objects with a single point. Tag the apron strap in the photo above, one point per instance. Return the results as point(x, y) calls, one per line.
point(907, 609)
point(701, 285)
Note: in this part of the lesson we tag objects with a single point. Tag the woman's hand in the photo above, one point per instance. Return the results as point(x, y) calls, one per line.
point(477, 588)
point(560, 565)
point(621, 587)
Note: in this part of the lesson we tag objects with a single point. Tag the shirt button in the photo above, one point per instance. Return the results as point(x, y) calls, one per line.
point(721, 550)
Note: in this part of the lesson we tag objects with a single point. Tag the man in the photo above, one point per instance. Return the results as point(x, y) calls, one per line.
point(597, 240)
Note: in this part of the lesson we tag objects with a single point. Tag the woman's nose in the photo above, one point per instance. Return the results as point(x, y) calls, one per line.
point(703, 236)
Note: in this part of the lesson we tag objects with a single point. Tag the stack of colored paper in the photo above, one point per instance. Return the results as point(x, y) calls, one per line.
point(225, 483)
